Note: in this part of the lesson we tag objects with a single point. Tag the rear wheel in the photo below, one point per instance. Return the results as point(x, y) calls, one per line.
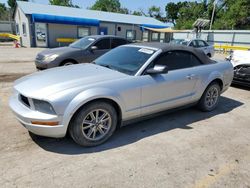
point(210, 97)
point(93, 124)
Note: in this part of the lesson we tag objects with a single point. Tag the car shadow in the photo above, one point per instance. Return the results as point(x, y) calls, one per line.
point(137, 131)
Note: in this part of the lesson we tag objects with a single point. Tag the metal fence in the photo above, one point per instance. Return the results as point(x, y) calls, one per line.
point(224, 37)
point(7, 27)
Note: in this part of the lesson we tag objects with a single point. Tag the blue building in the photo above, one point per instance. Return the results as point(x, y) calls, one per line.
point(40, 25)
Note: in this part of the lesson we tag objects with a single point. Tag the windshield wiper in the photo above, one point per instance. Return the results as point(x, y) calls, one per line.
point(105, 65)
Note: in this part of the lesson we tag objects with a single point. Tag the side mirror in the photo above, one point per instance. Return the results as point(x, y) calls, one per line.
point(93, 48)
point(158, 69)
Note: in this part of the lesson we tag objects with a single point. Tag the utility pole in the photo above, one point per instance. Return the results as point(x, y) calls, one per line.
point(212, 18)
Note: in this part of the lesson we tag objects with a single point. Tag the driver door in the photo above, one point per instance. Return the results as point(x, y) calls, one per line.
point(170, 90)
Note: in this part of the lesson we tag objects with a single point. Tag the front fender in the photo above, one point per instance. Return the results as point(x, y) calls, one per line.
point(90, 95)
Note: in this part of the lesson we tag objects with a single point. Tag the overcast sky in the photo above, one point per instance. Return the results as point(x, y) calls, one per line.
point(130, 4)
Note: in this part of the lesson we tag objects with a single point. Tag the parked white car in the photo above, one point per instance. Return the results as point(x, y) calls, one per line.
point(196, 43)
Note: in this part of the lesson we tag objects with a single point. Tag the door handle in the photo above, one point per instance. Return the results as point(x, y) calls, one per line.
point(190, 76)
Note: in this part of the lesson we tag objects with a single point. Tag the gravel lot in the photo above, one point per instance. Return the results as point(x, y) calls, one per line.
point(16, 62)
point(187, 148)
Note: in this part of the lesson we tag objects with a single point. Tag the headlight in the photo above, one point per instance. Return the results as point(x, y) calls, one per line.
point(51, 57)
point(43, 106)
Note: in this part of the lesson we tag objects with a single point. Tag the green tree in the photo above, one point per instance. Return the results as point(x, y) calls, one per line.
point(156, 13)
point(4, 12)
point(12, 3)
point(107, 5)
point(186, 18)
point(172, 10)
point(231, 14)
point(124, 11)
point(66, 3)
point(2, 7)
point(137, 13)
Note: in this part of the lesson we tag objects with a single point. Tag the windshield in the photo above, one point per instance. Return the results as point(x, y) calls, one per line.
point(82, 43)
point(125, 59)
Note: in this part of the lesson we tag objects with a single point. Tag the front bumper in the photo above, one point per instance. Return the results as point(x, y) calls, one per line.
point(242, 77)
point(241, 81)
point(25, 116)
point(42, 65)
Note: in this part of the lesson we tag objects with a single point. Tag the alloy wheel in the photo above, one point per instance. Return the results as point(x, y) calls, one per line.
point(96, 124)
point(211, 97)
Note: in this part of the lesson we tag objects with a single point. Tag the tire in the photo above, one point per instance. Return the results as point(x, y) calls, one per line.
point(209, 55)
point(67, 63)
point(210, 97)
point(86, 130)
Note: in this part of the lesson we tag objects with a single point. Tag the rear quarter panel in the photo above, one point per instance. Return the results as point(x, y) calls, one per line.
point(222, 70)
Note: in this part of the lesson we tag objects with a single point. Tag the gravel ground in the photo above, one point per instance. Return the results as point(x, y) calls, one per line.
point(9, 54)
point(187, 148)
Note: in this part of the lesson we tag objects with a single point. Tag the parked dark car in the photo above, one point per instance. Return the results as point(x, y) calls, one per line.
point(84, 50)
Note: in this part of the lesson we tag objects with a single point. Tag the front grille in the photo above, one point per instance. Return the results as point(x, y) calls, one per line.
point(24, 100)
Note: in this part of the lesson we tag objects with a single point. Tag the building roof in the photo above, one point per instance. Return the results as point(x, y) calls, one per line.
point(60, 12)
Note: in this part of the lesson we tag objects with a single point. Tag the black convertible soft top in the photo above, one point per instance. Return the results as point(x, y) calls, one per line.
point(165, 47)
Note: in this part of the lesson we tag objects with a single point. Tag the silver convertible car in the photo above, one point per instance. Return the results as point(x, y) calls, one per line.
point(129, 82)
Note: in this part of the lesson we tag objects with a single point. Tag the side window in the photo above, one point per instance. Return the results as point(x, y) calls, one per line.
point(83, 32)
point(24, 29)
point(155, 36)
point(192, 44)
point(194, 61)
point(201, 43)
point(131, 34)
point(206, 44)
point(177, 60)
point(195, 44)
point(145, 35)
point(103, 44)
point(17, 29)
point(117, 42)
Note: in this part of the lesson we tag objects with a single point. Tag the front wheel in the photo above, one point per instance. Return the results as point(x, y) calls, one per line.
point(93, 124)
point(67, 63)
point(210, 98)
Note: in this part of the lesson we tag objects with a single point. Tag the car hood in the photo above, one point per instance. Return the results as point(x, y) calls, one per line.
point(58, 51)
point(45, 83)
